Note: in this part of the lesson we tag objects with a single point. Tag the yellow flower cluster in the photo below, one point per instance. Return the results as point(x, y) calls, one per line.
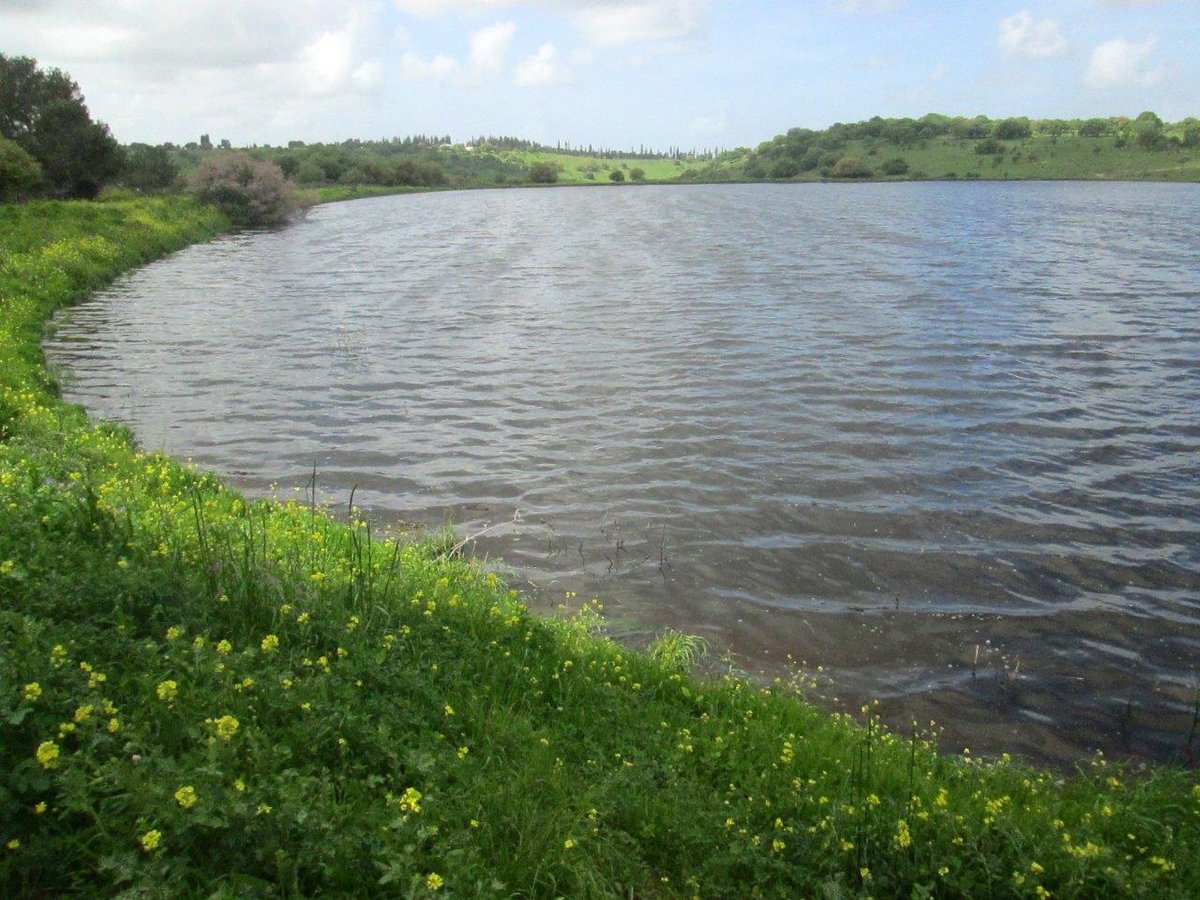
point(186, 796)
point(167, 690)
point(47, 754)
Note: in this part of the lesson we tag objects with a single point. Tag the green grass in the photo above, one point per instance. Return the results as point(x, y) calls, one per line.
point(205, 696)
point(575, 169)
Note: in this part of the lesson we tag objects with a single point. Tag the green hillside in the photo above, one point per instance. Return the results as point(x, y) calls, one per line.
point(936, 146)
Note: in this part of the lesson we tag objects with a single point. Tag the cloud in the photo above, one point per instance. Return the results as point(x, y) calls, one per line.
point(603, 22)
point(438, 68)
point(428, 9)
point(1123, 64)
point(609, 24)
point(543, 69)
point(1024, 36)
point(1118, 4)
point(869, 6)
point(487, 52)
point(489, 47)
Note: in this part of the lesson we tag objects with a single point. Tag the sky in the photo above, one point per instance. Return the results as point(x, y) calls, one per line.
point(612, 73)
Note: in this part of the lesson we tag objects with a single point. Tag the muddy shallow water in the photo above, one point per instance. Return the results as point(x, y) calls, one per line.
point(941, 439)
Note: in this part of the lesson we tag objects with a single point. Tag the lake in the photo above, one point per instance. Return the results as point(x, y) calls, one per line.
point(940, 439)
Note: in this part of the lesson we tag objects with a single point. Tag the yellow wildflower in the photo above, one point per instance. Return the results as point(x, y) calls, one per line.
point(902, 838)
point(226, 727)
point(411, 800)
point(186, 796)
point(151, 839)
point(270, 643)
point(114, 725)
point(58, 656)
point(239, 786)
point(40, 808)
point(434, 881)
point(264, 809)
point(14, 844)
point(569, 843)
point(47, 754)
point(83, 713)
point(33, 690)
point(167, 690)
point(224, 647)
point(173, 633)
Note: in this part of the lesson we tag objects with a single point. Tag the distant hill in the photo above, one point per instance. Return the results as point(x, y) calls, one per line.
point(946, 147)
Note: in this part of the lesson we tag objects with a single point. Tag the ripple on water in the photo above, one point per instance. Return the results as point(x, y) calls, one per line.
point(873, 426)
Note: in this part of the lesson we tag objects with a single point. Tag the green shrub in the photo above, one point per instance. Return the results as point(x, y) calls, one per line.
point(19, 172)
point(543, 173)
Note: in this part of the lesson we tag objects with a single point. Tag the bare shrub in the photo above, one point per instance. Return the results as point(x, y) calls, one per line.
point(250, 191)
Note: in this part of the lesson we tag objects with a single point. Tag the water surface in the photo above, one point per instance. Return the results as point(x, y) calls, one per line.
point(941, 439)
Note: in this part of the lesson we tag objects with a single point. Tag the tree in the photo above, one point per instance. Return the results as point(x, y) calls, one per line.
point(543, 173)
point(148, 168)
point(637, 174)
point(19, 172)
point(250, 191)
point(44, 112)
point(1013, 129)
point(616, 176)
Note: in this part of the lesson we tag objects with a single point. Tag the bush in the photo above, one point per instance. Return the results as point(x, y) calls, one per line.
point(637, 174)
point(250, 191)
point(543, 173)
point(19, 172)
point(988, 147)
point(897, 166)
point(849, 167)
point(785, 168)
point(616, 176)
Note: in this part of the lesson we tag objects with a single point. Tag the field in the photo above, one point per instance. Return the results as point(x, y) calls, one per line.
point(205, 696)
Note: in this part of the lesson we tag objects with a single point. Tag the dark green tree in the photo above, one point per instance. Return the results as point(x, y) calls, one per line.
point(44, 112)
point(616, 176)
point(148, 168)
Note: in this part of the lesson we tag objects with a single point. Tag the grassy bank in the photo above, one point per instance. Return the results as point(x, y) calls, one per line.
point(201, 694)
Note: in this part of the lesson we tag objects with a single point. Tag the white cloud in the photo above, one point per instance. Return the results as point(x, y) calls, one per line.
point(609, 24)
point(166, 71)
point(869, 6)
point(428, 9)
point(1023, 35)
point(489, 47)
point(604, 22)
point(542, 69)
point(487, 54)
point(438, 68)
point(1123, 64)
